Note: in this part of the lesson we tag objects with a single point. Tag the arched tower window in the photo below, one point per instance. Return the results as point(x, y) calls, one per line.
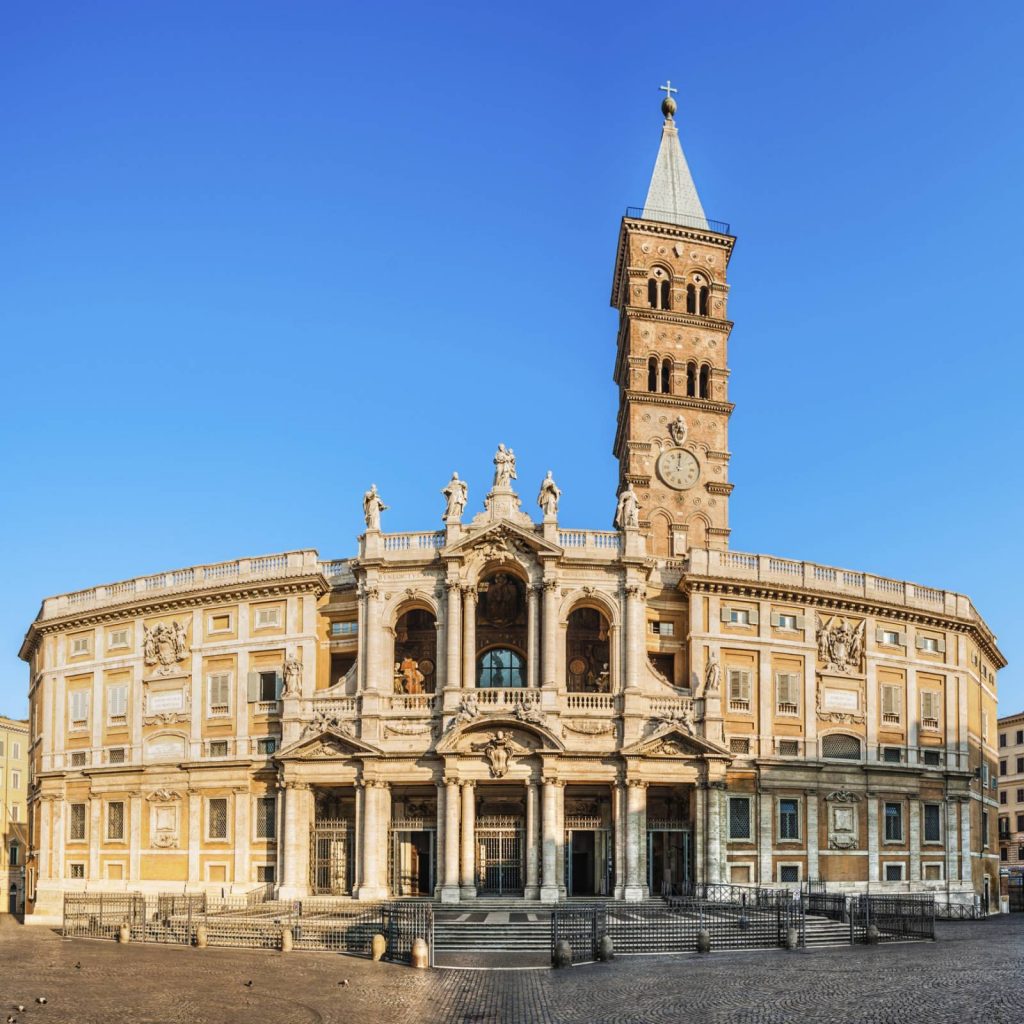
point(666, 296)
point(415, 652)
point(705, 381)
point(652, 374)
point(659, 289)
point(691, 380)
point(704, 301)
point(691, 299)
point(666, 377)
point(652, 293)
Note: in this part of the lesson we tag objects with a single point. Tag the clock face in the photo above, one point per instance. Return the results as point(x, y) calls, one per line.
point(678, 468)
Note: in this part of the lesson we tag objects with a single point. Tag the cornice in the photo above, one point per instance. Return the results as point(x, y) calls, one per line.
point(679, 401)
point(674, 316)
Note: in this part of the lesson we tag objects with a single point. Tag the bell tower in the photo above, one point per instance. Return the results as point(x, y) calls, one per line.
point(671, 368)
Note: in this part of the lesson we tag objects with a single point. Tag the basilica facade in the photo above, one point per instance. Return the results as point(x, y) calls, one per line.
point(512, 706)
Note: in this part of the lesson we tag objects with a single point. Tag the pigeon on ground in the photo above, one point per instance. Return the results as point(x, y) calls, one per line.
point(41, 1000)
point(248, 984)
point(345, 982)
point(12, 1020)
point(20, 1008)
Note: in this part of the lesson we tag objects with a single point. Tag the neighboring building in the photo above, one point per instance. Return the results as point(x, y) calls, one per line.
point(14, 788)
point(1011, 793)
point(518, 707)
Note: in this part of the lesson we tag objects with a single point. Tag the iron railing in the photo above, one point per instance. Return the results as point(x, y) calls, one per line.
point(720, 227)
point(895, 918)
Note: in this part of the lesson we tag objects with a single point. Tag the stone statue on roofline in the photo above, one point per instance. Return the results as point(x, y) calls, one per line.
point(372, 508)
point(456, 493)
point(550, 493)
point(504, 468)
point(627, 515)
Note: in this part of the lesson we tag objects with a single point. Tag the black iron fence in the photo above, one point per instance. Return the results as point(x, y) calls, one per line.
point(719, 892)
point(674, 927)
point(316, 924)
point(891, 918)
point(825, 904)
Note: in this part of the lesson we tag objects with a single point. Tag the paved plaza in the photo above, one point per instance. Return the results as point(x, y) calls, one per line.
point(974, 972)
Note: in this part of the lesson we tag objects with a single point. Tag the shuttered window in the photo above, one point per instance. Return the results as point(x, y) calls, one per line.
point(787, 688)
point(930, 703)
point(892, 704)
point(117, 702)
point(739, 689)
point(219, 685)
point(79, 707)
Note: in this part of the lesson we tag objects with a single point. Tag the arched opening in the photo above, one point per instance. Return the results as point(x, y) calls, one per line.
point(705, 381)
point(587, 657)
point(652, 374)
point(691, 299)
point(416, 652)
point(666, 295)
point(704, 301)
point(841, 745)
point(652, 293)
point(661, 535)
point(666, 377)
point(697, 533)
point(691, 380)
point(500, 668)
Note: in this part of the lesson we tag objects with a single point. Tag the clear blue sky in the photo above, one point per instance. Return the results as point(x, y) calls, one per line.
point(257, 255)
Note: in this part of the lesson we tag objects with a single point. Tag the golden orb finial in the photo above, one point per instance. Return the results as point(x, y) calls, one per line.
point(668, 105)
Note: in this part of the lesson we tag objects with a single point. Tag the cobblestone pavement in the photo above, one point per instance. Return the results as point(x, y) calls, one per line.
point(975, 972)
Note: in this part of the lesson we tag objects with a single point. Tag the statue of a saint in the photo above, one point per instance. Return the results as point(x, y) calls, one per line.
point(627, 515)
point(712, 675)
point(292, 677)
point(502, 599)
point(548, 497)
point(412, 677)
point(504, 467)
point(372, 508)
point(456, 493)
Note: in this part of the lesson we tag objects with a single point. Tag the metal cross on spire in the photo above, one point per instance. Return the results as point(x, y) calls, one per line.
point(668, 105)
point(667, 88)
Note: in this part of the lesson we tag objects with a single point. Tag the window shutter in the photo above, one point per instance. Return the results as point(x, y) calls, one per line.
point(776, 619)
point(278, 685)
point(920, 643)
point(253, 682)
point(801, 622)
point(890, 700)
point(745, 686)
point(736, 684)
point(879, 636)
point(942, 645)
point(787, 688)
point(755, 617)
point(726, 616)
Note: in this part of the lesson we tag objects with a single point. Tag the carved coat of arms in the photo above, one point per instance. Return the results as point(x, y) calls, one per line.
point(165, 645)
point(840, 643)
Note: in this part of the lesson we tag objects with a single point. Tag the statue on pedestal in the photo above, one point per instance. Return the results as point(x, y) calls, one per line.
point(504, 467)
point(292, 677)
point(627, 515)
point(549, 496)
point(372, 508)
point(456, 493)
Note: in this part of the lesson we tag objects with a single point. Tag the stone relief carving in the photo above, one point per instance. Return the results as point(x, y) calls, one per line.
point(549, 497)
point(712, 676)
point(840, 643)
point(467, 710)
point(456, 494)
point(826, 715)
point(670, 746)
point(292, 677)
point(528, 710)
point(677, 430)
point(163, 796)
point(586, 727)
point(842, 796)
point(323, 720)
point(842, 827)
point(627, 514)
point(329, 746)
point(499, 750)
point(408, 728)
point(165, 644)
point(372, 508)
point(679, 719)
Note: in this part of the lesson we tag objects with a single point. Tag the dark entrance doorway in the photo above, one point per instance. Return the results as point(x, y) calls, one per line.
point(1016, 893)
point(668, 860)
point(411, 868)
point(499, 855)
point(587, 861)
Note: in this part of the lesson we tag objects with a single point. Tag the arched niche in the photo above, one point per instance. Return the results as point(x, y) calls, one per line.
point(588, 650)
point(415, 654)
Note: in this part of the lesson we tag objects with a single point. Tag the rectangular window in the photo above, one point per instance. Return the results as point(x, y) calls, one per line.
point(76, 822)
point(267, 618)
point(78, 759)
point(115, 755)
point(787, 688)
point(984, 829)
point(15, 780)
point(219, 686)
point(1020, 822)
point(268, 685)
point(79, 645)
point(117, 638)
point(78, 871)
point(1002, 739)
point(115, 820)
point(928, 643)
point(789, 819)
point(344, 628)
point(218, 748)
point(787, 621)
point(217, 818)
point(1002, 797)
point(894, 872)
point(1020, 763)
point(933, 871)
point(892, 704)
point(663, 628)
point(789, 748)
point(932, 823)
point(789, 872)
point(13, 861)
point(266, 746)
point(117, 703)
point(265, 820)
point(890, 637)
point(930, 709)
point(1020, 735)
point(79, 707)
point(739, 616)
point(220, 623)
point(739, 817)
point(1003, 825)
point(739, 745)
point(892, 755)
point(1002, 766)
point(15, 750)
point(1020, 796)
point(893, 823)
point(264, 872)
point(739, 689)
point(933, 758)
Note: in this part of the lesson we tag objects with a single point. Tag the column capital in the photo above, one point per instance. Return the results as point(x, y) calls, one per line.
point(469, 592)
point(453, 585)
point(549, 586)
point(451, 780)
point(468, 783)
point(635, 590)
point(637, 783)
point(550, 780)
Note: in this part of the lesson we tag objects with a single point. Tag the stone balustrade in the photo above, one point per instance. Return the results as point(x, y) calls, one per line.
point(198, 577)
point(412, 703)
point(592, 543)
point(667, 707)
point(811, 576)
point(590, 703)
point(507, 696)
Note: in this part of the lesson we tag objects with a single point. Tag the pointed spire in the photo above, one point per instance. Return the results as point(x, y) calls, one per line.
point(672, 196)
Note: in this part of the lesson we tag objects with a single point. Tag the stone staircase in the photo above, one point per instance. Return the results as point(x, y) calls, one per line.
point(822, 931)
point(492, 935)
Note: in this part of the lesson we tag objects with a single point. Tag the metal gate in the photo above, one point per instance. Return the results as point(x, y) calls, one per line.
point(499, 856)
point(597, 858)
point(1016, 893)
point(669, 856)
point(412, 857)
point(332, 858)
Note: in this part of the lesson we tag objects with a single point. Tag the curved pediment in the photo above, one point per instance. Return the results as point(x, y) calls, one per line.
point(327, 745)
point(531, 736)
point(675, 741)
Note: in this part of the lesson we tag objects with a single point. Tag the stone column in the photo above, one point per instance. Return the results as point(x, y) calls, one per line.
point(532, 889)
point(467, 876)
point(134, 837)
point(59, 837)
point(439, 842)
point(550, 845)
point(966, 865)
point(716, 798)
point(453, 634)
point(952, 847)
point(765, 832)
point(195, 818)
point(915, 840)
point(469, 598)
point(619, 839)
point(240, 869)
point(550, 631)
point(636, 807)
point(813, 865)
point(97, 835)
point(294, 844)
point(532, 645)
point(872, 838)
point(44, 843)
point(371, 889)
point(450, 888)
point(383, 837)
point(700, 851)
point(375, 680)
point(634, 640)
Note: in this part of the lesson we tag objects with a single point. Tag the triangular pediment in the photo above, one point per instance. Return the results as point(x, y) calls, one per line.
point(675, 741)
point(503, 538)
point(326, 745)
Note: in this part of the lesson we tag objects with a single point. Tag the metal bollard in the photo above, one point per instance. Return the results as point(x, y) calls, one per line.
point(420, 957)
point(378, 947)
